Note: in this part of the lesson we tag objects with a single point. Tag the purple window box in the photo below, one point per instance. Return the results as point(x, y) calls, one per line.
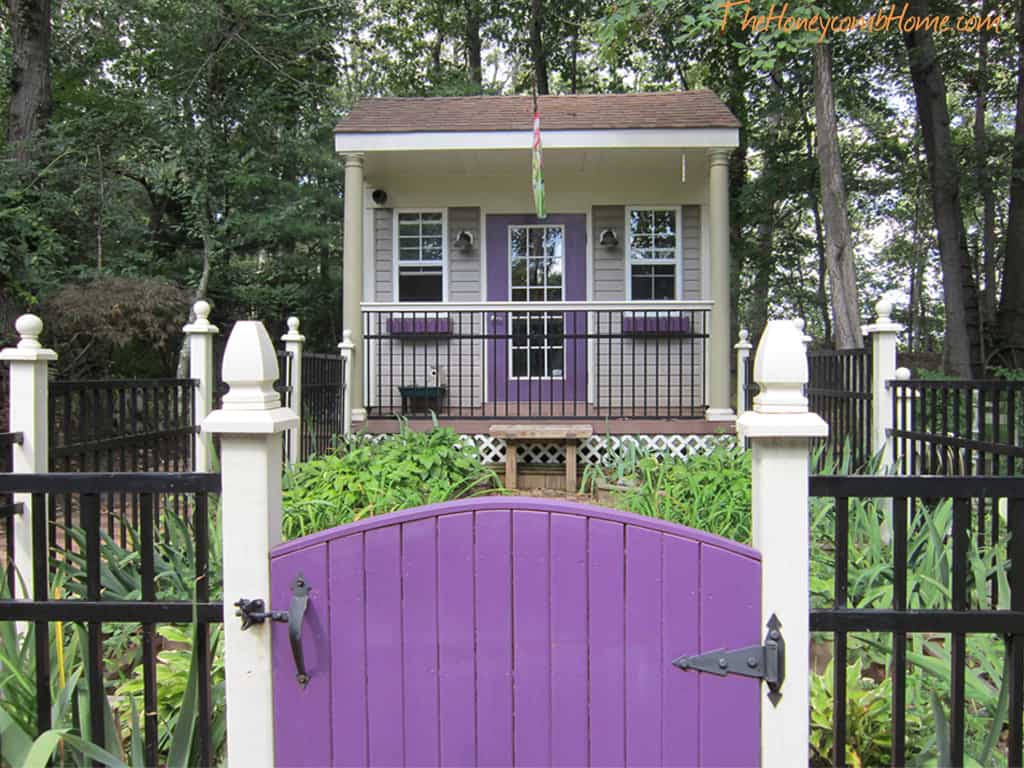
point(419, 326)
point(638, 325)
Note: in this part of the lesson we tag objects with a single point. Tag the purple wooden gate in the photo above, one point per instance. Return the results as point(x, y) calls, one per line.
point(516, 631)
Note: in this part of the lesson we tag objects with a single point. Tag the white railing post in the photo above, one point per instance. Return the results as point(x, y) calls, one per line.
point(348, 352)
point(200, 335)
point(883, 369)
point(249, 422)
point(293, 341)
point(779, 428)
point(742, 347)
point(904, 402)
point(29, 403)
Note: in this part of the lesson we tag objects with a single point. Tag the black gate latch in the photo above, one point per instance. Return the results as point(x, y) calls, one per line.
point(255, 612)
point(766, 662)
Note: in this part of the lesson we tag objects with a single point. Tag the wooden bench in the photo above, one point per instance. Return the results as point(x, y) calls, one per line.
point(568, 435)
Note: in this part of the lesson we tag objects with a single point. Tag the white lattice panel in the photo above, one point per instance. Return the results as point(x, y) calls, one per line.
point(596, 449)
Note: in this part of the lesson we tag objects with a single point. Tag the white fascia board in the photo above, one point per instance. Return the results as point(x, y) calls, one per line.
point(636, 138)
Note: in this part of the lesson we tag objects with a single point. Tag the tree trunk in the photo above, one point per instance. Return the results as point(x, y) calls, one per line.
point(30, 73)
point(842, 276)
point(962, 350)
point(537, 52)
point(988, 227)
point(474, 58)
point(1011, 306)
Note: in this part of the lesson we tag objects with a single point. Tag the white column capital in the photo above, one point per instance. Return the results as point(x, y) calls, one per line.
point(719, 155)
point(354, 159)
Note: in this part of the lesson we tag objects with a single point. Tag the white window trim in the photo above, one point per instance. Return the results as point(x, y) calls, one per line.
point(528, 304)
point(396, 253)
point(628, 254)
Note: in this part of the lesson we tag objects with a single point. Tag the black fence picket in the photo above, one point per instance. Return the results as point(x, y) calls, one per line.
point(964, 616)
point(323, 401)
point(90, 606)
point(839, 390)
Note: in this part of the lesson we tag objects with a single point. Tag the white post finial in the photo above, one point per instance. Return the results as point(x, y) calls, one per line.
point(293, 343)
point(778, 429)
point(742, 348)
point(200, 333)
point(249, 422)
point(29, 401)
point(800, 325)
point(348, 353)
point(884, 333)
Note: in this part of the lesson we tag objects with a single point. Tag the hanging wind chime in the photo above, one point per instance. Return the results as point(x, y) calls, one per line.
point(538, 161)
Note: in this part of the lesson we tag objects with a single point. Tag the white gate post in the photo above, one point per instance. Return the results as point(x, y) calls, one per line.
point(29, 402)
point(904, 402)
point(742, 347)
point(883, 369)
point(200, 362)
point(293, 341)
point(348, 353)
point(249, 422)
point(779, 428)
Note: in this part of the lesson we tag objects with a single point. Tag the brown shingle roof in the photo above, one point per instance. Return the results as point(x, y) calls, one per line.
point(685, 109)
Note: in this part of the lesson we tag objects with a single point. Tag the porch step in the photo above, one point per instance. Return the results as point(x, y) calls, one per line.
point(567, 434)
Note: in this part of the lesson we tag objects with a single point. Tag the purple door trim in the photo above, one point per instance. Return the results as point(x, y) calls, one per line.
point(573, 387)
point(515, 631)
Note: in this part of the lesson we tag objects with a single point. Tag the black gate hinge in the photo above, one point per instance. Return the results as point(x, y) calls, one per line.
point(255, 612)
point(766, 662)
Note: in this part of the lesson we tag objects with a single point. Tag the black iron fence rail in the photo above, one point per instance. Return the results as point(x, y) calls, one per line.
point(94, 611)
point(323, 402)
point(965, 615)
point(537, 361)
point(839, 390)
point(958, 427)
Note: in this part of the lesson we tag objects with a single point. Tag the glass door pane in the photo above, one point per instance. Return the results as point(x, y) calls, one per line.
point(536, 261)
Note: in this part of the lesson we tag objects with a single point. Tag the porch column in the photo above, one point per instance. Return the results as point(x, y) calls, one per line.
point(719, 352)
point(352, 278)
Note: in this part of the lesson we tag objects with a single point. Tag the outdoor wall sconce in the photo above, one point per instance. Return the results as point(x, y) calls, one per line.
point(464, 240)
point(379, 196)
point(608, 238)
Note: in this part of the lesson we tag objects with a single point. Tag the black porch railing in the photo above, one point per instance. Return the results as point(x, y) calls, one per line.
point(940, 587)
point(959, 427)
point(839, 390)
point(91, 582)
point(554, 360)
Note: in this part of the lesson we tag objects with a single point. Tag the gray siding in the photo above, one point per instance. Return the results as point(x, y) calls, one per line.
point(383, 264)
point(609, 268)
point(691, 252)
point(464, 266)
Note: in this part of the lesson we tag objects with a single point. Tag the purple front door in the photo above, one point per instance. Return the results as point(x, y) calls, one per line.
point(538, 355)
point(515, 631)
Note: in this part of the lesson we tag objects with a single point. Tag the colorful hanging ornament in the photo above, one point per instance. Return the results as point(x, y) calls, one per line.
point(538, 163)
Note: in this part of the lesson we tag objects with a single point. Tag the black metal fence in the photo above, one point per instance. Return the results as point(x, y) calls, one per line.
point(839, 390)
point(958, 427)
point(323, 401)
point(539, 361)
point(90, 579)
point(8, 508)
point(117, 425)
point(954, 560)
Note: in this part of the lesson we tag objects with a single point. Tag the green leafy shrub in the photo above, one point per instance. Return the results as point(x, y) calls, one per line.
point(367, 477)
point(710, 492)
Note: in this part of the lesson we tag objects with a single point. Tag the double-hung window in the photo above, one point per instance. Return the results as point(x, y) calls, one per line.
point(653, 254)
point(421, 256)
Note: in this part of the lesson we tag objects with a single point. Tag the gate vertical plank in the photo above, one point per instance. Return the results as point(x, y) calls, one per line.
point(456, 638)
point(680, 589)
point(348, 651)
point(568, 640)
point(644, 673)
point(605, 598)
point(730, 711)
point(419, 641)
point(532, 638)
point(311, 744)
point(384, 647)
point(494, 637)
